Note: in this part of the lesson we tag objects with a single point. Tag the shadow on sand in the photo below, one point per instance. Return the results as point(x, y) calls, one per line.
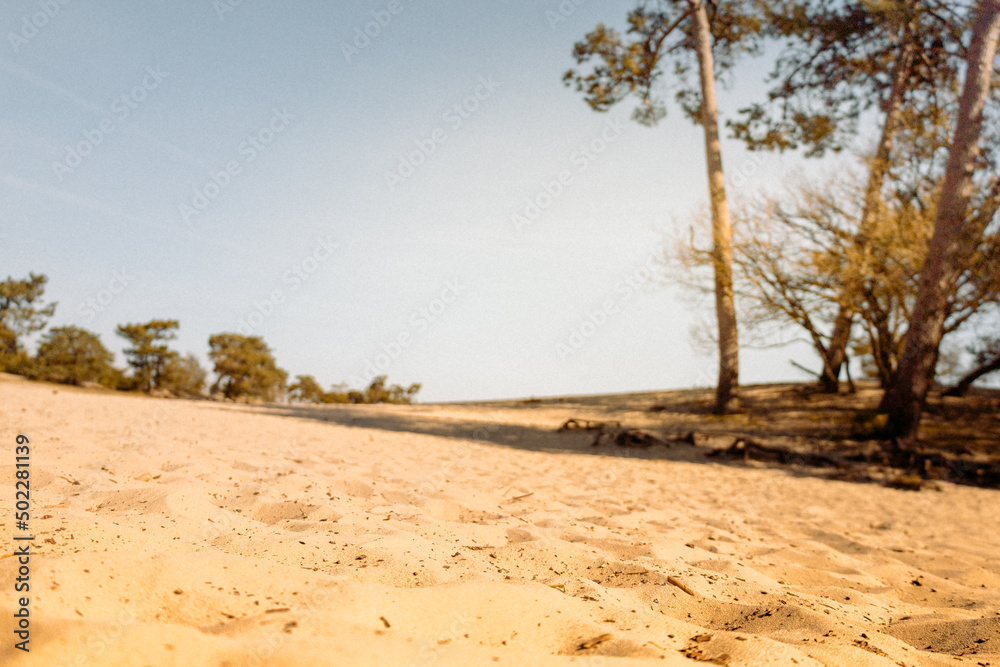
point(781, 426)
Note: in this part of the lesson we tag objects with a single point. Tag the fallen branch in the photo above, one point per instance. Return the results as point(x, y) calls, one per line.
point(899, 463)
point(804, 369)
point(748, 449)
point(614, 433)
point(680, 584)
point(586, 425)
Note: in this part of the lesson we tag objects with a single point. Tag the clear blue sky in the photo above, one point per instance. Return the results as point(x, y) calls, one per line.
point(173, 160)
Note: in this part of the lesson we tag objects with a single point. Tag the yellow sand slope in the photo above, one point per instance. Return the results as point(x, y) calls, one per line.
point(198, 533)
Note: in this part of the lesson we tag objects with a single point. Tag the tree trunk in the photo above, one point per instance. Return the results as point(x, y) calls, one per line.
point(829, 381)
point(837, 350)
point(904, 402)
point(963, 386)
point(726, 394)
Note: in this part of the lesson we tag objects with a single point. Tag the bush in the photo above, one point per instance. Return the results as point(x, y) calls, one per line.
point(305, 389)
point(21, 313)
point(337, 394)
point(377, 392)
point(148, 355)
point(13, 359)
point(72, 355)
point(245, 367)
point(184, 376)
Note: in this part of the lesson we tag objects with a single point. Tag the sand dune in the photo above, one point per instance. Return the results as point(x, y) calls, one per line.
point(199, 533)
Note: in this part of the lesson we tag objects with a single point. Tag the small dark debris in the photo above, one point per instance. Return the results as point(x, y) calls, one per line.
point(591, 643)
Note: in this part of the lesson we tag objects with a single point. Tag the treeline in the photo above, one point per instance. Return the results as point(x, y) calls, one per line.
point(885, 266)
point(244, 366)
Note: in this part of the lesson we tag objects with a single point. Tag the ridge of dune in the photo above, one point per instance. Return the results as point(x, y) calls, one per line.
point(174, 532)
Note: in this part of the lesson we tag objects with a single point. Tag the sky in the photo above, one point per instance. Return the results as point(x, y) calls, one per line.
point(390, 187)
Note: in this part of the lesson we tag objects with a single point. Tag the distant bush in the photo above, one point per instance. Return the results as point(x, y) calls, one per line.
point(148, 355)
point(377, 392)
point(13, 359)
point(338, 394)
point(21, 313)
point(306, 389)
point(245, 367)
point(72, 355)
point(184, 376)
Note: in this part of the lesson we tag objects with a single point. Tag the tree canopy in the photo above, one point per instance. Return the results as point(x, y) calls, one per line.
point(661, 34)
point(245, 367)
point(840, 59)
point(72, 355)
point(306, 389)
point(693, 35)
point(183, 376)
point(21, 313)
point(149, 354)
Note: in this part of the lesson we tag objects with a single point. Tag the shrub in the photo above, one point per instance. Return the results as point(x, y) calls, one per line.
point(377, 392)
point(149, 354)
point(184, 376)
point(305, 389)
point(21, 313)
point(72, 355)
point(245, 367)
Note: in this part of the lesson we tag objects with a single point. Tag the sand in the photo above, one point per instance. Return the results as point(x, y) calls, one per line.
point(171, 532)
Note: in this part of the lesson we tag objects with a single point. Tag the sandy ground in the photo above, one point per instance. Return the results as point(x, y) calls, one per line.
point(173, 532)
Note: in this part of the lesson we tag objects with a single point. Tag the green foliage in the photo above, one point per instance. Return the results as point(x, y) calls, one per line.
point(245, 367)
point(633, 64)
point(148, 354)
point(378, 392)
point(21, 313)
point(306, 389)
point(840, 58)
point(338, 394)
point(72, 355)
point(183, 376)
point(793, 255)
point(13, 359)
